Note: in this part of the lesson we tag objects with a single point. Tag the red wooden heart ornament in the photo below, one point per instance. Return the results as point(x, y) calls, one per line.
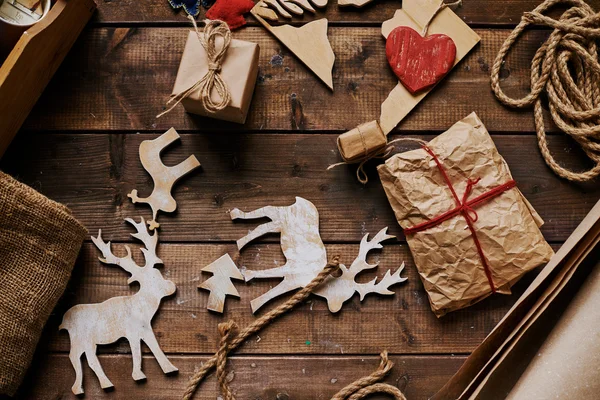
point(419, 62)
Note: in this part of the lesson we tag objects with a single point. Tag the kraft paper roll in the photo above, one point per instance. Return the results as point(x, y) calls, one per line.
point(567, 366)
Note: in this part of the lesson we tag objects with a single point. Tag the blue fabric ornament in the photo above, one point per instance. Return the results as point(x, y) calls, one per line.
point(192, 7)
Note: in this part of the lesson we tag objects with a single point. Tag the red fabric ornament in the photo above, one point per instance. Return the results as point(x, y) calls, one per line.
point(419, 62)
point(230, 11)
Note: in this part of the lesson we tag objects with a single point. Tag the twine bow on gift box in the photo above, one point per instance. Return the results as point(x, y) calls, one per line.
point(212, 79)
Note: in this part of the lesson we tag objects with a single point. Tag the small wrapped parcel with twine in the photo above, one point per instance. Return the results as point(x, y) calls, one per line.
point(217, 74)
point(470, 230)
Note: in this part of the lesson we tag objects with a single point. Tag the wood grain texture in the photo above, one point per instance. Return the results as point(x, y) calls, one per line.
point(93, 173)
point(264, 378)
point(402, 323)
point(479, 12)
point(34, 59)
point(119, 79)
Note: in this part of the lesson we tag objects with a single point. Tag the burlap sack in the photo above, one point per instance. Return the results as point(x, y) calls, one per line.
point(39, 242)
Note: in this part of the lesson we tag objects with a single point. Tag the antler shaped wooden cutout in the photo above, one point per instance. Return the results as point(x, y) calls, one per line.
point(338, 290)
point(128, 316)
point(309, 42)
point(164, 177)
point(306, 256)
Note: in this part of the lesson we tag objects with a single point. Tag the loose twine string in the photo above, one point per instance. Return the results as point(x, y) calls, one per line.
point(231, 339)
point(442, 5)
point(566, 69)
point(389, 148)
point(212, 79)
point(384, 153)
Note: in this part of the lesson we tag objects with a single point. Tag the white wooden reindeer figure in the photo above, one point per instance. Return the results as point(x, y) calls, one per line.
point(300, 242)
point(306, 256)
point(90, 325)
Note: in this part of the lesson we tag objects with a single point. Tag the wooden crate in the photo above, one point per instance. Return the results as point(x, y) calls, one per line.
point(34, 60)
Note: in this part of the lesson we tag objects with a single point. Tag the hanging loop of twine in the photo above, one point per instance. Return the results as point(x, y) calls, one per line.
point(382, 154)
point(212, 80)
point(566, 69)
point(442, 5)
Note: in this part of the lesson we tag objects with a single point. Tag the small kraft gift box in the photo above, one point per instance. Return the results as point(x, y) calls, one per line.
point(238, 69)
point(470, 230)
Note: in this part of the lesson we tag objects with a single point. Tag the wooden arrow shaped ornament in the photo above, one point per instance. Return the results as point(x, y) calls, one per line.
point(309, 42)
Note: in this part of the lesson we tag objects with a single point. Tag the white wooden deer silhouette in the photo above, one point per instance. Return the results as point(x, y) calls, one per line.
point(90, 325)
point(164, 177)
point(306, 256)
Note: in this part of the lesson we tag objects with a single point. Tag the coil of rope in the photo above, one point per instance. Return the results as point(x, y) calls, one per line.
point(567, 70)
point(231, 339)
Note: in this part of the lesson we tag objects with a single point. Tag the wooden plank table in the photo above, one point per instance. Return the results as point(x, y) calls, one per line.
point(79, 146)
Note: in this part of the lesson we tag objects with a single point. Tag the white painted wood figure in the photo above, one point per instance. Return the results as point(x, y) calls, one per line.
point(338, 290)
point(164, 177)
point(306, 256)
point(220, 285)
point(90, 325)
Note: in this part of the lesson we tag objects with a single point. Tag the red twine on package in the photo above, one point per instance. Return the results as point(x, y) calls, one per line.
point(466, 208)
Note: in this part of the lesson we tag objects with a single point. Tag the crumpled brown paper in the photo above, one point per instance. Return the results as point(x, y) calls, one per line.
point(446, 255)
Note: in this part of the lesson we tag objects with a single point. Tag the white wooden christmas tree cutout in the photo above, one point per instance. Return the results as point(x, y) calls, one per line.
point(90, 325)
point(309, 42)
point(164, 177)
point(306, 256)
point(220, 285)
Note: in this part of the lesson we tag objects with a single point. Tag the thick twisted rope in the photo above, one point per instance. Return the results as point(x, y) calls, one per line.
point(212, 79)
point(566, 68)
point(369, 385)
point(230, 340)
point(234, 342)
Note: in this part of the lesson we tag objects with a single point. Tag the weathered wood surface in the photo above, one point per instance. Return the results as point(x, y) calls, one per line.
point(119, 79)
point(477, 12)
point(93, 173)
point(79, 147)
point(254, 378)
point(402, 323)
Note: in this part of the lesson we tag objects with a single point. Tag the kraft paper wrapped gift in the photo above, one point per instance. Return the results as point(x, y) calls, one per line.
point(239, 71)
point(461, 262)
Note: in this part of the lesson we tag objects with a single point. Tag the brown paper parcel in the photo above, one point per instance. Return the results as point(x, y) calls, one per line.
point(566, 366)
point(446, 255)
point(239, 71)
